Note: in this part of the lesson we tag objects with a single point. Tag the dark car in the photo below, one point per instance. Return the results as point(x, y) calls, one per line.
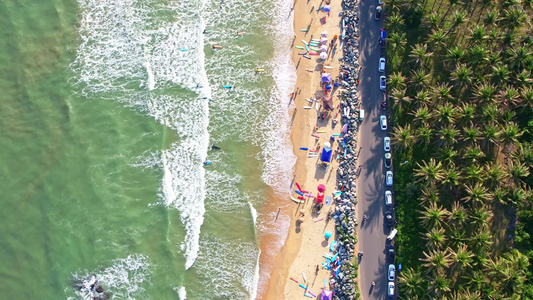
point(378, 12)
point(390, 253)
point(387, 160)
point(388, 218)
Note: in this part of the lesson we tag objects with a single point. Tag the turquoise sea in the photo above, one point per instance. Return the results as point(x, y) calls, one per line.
point(108, 110)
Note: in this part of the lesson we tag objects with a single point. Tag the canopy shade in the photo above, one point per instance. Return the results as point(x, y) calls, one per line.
point(326, 77)
point(327, 101)
point(323, 55)
point(326, 154)
point(327, 8)
point(326, 295)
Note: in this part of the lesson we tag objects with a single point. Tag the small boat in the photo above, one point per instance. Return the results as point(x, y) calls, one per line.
point(217, 47)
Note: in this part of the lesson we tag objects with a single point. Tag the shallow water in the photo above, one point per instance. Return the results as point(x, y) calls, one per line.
point(109, 109)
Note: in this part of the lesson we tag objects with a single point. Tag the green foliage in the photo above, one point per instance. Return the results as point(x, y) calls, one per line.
point(461, 96)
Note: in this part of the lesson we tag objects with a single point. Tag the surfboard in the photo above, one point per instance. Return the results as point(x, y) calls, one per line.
point(303, 41)
point(302, 53)
point(304, 148)
point(299, 202)
point(307, 107)
point(328, 67)
point(217, 46)
point(313, 53)
point(306, 48)
point(304, 30)
point(241, 33)
point(314, 48)
point(299, 47)
point(309, 70)
point(307, 56)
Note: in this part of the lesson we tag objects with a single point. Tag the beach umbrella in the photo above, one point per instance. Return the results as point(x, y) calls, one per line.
point(326, 77)
point(321, 188)
point(327, 8)
point(327, 235)
point(323, 55)
point(324, 40)
point(328, 86)
point(327, 145)
point(323, 48)
point(324, 33)
point(326, 295)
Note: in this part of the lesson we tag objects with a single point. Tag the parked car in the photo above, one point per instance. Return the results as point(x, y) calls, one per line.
point(392, 272)
point(390, 289)
point(382, 83)
point(390, 253)
point(378, 13)
point(388, 160)
point(388, 218)
point(388, 198)
point(386, 144)
point(381, 66)
point(383, 122)
point(388, 179)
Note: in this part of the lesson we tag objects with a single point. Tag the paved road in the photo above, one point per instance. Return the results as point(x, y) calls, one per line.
point(371, 183)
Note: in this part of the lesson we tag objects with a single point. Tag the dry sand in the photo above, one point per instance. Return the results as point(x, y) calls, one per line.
point(305, 243)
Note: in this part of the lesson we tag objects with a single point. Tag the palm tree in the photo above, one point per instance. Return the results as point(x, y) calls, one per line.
point(455, 55)
point(500, 74)
point(491, 133)
point(517, 196)
point(477, 35)
point(411, 284)
point(402, 137)
point(478, 56)
point(436, 260)
point(476, 193)
point(459, 214)
point(466, 113)
point(442, 92)
point(481, 217)
point(435, 237)
point(430, 194)
point(431, 172)
point(477, 280)
point(463, 257)
point(451, 176)
point(438, 39)
point(517, 172)
point(439, 285)
point(524, 81)
point(447, 136)
point(395, 22)
point(458, 18)
point(519, 57)
point(447, 155)
point(419, 79)
point(457, 237)
point(510, 133)
point(422, 115)
point(419, 54)
point(422, 97)
point(400, 98)
point(433, 215)
point(513, 18)
point(494, 175)
point(396, 81)
point(491, 17)
point(424, 133)
point(462, 75)
point(433, 21)
point(480, 242)
point(473, 153)
point(471, 134)
point(485, 93)
point(524, 153)
point(396, 42)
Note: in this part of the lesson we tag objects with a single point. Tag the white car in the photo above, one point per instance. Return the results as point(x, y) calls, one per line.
point(388, 198)
point(388, 178)
point(381, 67)
point(388, 160)
point(392, 272)
point(378, 13)
point(386, 144)
point(383, 122)
point(390, 289)
point(382, 83)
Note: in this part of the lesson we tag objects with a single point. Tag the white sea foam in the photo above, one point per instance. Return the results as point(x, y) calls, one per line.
point(124, 279)
point(130, 44)
point(182, 293)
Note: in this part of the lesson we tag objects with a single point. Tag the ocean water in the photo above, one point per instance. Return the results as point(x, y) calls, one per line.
point(109, 109)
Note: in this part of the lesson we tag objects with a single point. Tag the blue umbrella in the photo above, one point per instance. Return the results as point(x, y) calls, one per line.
point(327, 234)
point(328, 87)
point(327, 8)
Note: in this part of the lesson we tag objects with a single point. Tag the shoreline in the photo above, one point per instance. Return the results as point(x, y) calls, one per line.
point(301, 257)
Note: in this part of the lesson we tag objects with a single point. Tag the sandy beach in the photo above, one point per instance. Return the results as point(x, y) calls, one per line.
point(305, 245)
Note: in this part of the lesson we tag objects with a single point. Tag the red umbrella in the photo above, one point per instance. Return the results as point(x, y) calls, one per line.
point(321, 188)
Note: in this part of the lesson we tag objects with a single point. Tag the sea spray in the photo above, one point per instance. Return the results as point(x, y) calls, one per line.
point(129, 55)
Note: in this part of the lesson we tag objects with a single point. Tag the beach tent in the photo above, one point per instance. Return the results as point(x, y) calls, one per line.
point(327, 101)
point(320, 198)
point(323, 48)
point(326, 155)
point(324, 40)
point(326, 77)
point(323, 55)
point(326, 295)
point(327, 8)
